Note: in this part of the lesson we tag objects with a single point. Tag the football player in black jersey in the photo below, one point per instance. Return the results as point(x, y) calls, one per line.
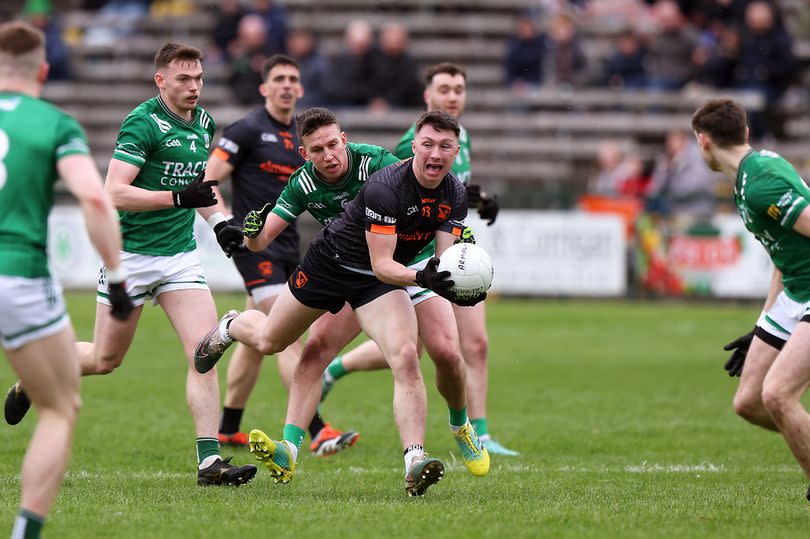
point(259, 152)
point(359, 258)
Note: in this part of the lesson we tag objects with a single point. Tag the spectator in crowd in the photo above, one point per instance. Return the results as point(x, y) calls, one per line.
point(565, 60)
point(624, 68)
point(275, 23)
point(670, 48)
point(228, 15)
point(766, 63)
point(248, 53)
point(40, 14)
point(620, 173)
point(523, 63)
point(314, 67)
point(682, 187)
point(396, 80)
point(351, 69)
point(716, 55)
point(116, 20)
point(728, 12)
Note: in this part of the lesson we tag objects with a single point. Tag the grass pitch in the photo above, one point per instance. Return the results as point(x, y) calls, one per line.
point(622, 412)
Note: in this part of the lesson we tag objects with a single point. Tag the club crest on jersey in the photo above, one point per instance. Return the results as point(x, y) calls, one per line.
point(444, 212)
point(300, 279)
point(207, 139)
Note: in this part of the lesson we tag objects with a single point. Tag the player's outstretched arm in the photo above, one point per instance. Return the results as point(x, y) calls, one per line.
point(81, 177)
point(261, 227)
point(218, 216)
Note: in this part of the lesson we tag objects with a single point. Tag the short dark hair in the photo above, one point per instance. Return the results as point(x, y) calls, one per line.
point(19, 37)
point(170, 52)
point(277, 60)
point(444, 67)
point(438, 120)
point(313, 119)
point(723, 120)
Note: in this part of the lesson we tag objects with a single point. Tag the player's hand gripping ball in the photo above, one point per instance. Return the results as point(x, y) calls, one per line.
point(470, 270)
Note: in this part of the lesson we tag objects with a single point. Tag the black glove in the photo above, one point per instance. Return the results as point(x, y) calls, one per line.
point(119, 300)
point(197, 194)
point(469, 302)
point(473, 195)
point(435, 280)
point(488, 209)
point(229, 236)
point(735, 362)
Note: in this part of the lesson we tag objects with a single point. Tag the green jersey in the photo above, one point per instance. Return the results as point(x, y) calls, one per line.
point(461, 167)
point(305, 191)
point(770, 195)
point(34, 135)
point(170, 152)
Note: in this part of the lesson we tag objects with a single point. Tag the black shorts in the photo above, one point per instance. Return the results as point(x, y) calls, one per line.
point(258, 269)
point(321, 283)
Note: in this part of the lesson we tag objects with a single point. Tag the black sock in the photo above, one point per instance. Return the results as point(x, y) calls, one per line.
point(315, 425)
point(231, 418)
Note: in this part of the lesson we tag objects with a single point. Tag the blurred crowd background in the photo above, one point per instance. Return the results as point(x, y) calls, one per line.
point(571, 105)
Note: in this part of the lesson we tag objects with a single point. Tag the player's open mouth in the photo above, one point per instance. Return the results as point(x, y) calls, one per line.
point(433, 169)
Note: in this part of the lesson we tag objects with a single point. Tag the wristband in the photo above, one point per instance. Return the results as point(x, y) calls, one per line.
point(215, 219)
point(117, 275)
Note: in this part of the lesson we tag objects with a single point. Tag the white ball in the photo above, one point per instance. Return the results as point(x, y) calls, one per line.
point(470, 269)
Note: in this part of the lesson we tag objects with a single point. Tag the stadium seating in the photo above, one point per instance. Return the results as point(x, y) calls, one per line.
point(536, 149)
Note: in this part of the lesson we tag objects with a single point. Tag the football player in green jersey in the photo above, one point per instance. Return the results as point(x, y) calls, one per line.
point(446, 89)
point(773, 361)
point(38, 144)
point(155, 181)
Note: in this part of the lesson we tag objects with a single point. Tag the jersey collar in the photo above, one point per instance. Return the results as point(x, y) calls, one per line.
point(748, 154)
point(174, 116)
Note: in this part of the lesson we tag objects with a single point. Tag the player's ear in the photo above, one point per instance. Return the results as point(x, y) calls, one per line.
point(42, 72)
point(300, 92)
point(263, 90)
point(426, 97)
point(343, 137)
point(303, 153)
point(159, 79)
point(747, 132)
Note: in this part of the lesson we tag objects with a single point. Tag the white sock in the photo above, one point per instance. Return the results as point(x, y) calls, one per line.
point(328, 377)
point(293, 450)
point(208, 461)
point(455, 428)
point(484, 437)
point(412, 454)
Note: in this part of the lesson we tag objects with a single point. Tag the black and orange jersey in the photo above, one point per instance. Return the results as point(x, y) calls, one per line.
point(393, 202)
point(264, 153)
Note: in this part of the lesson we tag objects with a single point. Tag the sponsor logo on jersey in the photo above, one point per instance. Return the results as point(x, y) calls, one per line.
point(192, 136)
point(180, 173)
point(163, 125)
point(340, 196)
point(444, 212)
point(282, 171)
point(228, 145)
point(416, 236)
point(371, 214)
point(269, 137)
point(173, 143)
point(774, 212)
point(412, 210)
point(389, 220)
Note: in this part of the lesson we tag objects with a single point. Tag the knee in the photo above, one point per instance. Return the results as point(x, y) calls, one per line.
point(446, 355)
point(405, 363)
point(748, 406)
point(476, 349)
point(775, 399)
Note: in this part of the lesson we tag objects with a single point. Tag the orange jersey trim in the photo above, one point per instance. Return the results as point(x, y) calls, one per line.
point(222, 154)
point(456, 232)
point(383, 229)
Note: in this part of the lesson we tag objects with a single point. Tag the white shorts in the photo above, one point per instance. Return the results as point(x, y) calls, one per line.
point(30, 309)
point(149, 276)
point(417, 293)
point(783, 317)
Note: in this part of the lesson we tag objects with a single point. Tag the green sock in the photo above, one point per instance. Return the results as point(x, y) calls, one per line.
point(336, 369)
point(458, 417)
point(206, 447)
point(294, 435)
point(480, 425)
point(27, 525)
